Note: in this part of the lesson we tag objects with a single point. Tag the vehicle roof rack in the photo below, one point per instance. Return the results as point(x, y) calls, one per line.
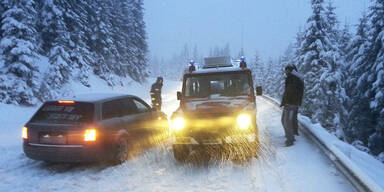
point(216, 62)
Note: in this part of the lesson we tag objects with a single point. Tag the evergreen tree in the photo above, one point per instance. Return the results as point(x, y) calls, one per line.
point(227, 51)
point(101, 42)
point(286, 59)
point(137, 38)
point(332, 23)
point(257, 67)
point(55, 40)
point(268, 78)
point(360, 116)
point(344, 39)
point(319, 61)
point(19, 74)
point(375, 78)
point(76, 15)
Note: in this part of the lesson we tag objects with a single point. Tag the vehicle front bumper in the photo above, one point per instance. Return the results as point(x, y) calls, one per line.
point(66, 153)
point(233, 139)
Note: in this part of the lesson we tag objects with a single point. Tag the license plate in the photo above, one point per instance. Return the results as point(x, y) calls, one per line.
point(211, 141)
point(57, 138)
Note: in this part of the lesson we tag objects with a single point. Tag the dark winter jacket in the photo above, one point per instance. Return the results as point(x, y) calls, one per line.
point(294, 89)
point(156, 92)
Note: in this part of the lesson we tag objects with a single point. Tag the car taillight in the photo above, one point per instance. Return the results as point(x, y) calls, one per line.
point(90, 135)
point(66, 102)
point(24, 133)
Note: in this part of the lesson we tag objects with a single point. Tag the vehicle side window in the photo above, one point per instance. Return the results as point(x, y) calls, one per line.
point(111, 109)
point(128, 107)
point(141, 107)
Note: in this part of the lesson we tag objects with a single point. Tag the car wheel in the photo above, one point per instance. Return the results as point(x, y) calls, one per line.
point(180, 153)
point(121, 151)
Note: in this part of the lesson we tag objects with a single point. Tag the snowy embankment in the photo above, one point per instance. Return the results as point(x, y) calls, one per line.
point(366, 168)
point(301, 167)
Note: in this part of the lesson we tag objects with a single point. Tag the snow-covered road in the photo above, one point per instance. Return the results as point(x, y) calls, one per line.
point(301, 167)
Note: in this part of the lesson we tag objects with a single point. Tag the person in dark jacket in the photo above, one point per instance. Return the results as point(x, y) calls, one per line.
point(292, 98)
point(156, 93)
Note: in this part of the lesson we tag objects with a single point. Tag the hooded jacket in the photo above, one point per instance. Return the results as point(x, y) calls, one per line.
point(294, 89)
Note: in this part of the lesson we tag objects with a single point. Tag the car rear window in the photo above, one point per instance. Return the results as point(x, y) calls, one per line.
point(55, 112)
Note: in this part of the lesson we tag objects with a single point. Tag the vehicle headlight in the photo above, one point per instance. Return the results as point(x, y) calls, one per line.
point(178, 123)
point(244, 121)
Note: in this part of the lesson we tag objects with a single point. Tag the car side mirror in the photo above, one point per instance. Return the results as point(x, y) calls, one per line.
point(259, 90)
point(178, 95)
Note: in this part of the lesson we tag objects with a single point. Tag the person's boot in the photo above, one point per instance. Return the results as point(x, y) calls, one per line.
point(288, 143)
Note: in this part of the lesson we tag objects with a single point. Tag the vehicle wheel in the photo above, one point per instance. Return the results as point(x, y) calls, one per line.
point(180, 153)
point(121, 151)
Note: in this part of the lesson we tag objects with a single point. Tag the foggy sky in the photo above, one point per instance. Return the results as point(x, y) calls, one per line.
point(268, 25)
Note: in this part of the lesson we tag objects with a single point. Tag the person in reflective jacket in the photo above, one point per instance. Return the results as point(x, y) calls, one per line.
point(156, 93)
point(292, 98)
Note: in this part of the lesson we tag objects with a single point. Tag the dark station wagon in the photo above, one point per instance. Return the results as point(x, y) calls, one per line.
point(97, 127)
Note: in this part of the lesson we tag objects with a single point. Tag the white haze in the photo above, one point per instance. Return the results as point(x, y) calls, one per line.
point(268, 26)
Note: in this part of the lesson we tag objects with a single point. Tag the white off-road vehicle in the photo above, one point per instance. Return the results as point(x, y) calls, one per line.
point(217, 113)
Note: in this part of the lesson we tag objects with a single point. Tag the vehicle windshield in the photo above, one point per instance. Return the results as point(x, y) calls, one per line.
point(54, 112)
point(211, 85)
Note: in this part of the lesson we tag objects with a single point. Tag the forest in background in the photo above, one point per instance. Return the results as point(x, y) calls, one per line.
point(45, 44)
point(343, 72)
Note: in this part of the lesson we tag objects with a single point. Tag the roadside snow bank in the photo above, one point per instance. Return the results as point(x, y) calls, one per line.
point(365, 167)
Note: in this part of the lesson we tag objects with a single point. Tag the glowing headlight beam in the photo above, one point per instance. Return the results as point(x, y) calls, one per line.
point(243, 121)
point(178, 123)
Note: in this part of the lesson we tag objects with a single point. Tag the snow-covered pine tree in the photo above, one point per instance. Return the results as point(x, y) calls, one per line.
point(286, 59)
point(310, 62)
point(133, 46)
point(100, 42)
point(198, 58)
point(319, 61)
point(296, 51)
point(55, 42)
point(268, 79)
point(332, 24)
point(257, 67)
point(239, 55)
point(376, 76)
point(227, 51)
point(278, 79)
point(359, 126)
point(3, 8)
point(76, 16)
point(19, 74)
point(360, 38)
point(344, 39)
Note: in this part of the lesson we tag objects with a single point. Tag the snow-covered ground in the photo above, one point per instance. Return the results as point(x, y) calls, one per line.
point(301, 167)
point(369, 169)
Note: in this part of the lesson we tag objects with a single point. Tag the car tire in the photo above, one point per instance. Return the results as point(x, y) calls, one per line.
point(122, 152)
point(180, 153)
